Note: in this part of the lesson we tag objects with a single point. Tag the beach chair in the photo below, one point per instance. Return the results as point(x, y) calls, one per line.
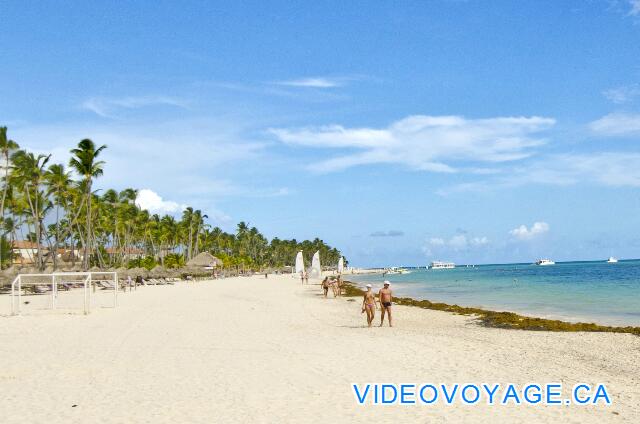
point(39, 289)
point(105, 285)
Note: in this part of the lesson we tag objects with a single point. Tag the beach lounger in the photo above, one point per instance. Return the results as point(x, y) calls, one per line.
point(39, 289)
point(105, 285)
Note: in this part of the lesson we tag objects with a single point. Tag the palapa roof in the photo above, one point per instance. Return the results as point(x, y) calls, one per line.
point(26, 244)
point(204, 259)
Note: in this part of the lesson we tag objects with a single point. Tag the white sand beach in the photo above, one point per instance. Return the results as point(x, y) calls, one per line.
point(257, 350)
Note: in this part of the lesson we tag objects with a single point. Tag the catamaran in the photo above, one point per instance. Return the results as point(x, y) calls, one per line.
point(544, 262)
point(441, 265)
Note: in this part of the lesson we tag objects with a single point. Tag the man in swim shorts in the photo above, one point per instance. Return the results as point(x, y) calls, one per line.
point(369, 304)
point(325, 286)
point(386, 296)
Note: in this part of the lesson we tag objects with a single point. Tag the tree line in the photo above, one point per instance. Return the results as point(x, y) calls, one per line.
point(73, 224)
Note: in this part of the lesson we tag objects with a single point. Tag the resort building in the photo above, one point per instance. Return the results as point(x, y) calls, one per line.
point(25, 252)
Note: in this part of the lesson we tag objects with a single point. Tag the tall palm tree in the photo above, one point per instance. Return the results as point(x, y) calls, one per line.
point(187, 223)
point(30, 172)
point(7, 146)
point(58, 182)
point(88, 167)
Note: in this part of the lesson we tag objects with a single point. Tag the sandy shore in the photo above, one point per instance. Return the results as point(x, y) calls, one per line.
point(272, 351)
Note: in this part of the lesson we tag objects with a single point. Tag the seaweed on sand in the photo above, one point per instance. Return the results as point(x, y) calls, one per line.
point(497, 319)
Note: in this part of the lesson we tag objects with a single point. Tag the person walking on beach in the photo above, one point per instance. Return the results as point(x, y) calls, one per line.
point(334, 287)
point(301, 277)
point(306, 277)
point(386, 296)
point(369, 304)
point(325, 286)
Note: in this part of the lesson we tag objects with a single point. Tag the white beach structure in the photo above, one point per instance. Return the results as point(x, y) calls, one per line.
point(316, 271)
point(299, 263)
point(341, 265)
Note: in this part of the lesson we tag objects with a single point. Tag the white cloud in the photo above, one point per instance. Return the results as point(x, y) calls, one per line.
point(616, 124)
point(390, 233)
point(524, 233)
point(316, 82)
point(436, 241)
point(610, 169)
point(107, 107)
point(429, 143)
point(457, 242)
point(479, 241)
point(149, 200)
point(194, 160)
point(623, 94)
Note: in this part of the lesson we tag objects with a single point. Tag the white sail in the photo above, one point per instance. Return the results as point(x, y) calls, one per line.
point(299, 263)
point(341, 265)
point(316, 271)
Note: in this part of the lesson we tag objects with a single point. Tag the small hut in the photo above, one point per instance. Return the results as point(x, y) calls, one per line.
point(158, 272)
point(123, 273)
point(204, 261)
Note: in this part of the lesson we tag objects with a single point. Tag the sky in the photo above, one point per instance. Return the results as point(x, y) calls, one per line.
point(400, 132)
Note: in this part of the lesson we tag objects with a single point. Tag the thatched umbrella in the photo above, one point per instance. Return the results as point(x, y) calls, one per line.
point(8, 275)
point(204, 260)
point(123, 272)
point(12, 270)
point(29, 270)
point(203, 264)
point(158, 272)
point(143, 272)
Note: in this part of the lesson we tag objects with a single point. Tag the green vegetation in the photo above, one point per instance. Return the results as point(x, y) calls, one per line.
point(508, 320)
point(79, 226)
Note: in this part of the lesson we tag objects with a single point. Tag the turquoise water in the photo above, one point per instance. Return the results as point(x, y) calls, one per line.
point(607, 294)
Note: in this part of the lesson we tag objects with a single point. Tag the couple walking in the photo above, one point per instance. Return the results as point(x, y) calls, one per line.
point(385, 296)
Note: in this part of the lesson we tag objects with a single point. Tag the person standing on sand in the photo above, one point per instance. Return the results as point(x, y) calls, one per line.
point(369, 304)
point(306, 277)
point(301, 277)
point(386, 296)
point(325, 286)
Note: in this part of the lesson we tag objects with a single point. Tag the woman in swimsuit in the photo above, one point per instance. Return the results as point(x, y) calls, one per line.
point(369, 304)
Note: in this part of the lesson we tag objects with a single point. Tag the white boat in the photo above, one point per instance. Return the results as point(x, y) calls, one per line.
point(544, 262)
point(396, 270)
point(441, 265)
point(611, 260)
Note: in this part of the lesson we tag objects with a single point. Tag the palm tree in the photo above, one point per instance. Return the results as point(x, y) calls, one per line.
point(7, 146)
point(85, 164)
point(58, 183)
point(198, 219)
point(30, 172)
point(187, 223)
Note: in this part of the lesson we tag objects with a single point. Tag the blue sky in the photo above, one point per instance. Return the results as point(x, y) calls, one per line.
point(401, 132)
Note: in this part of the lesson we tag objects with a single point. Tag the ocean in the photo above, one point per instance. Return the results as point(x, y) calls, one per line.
point(607, 294)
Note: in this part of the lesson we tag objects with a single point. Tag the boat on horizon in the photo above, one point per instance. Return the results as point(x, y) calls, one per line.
point(396, 270)
point(612, 260)
point(441, 265)
point(545, 262)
